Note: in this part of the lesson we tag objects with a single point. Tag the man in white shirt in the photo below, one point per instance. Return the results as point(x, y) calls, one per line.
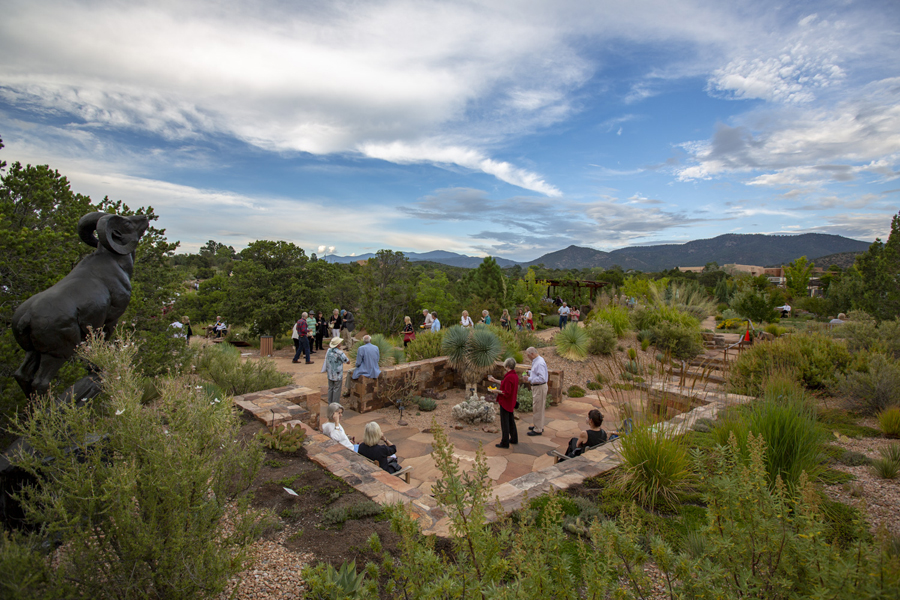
point(563, 315)
point(537, 377)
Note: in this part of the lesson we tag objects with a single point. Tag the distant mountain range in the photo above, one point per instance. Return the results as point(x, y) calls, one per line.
point(746, 249)
point(439, 256)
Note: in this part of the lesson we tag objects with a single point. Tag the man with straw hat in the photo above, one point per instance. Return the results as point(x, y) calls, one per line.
point(334, 368)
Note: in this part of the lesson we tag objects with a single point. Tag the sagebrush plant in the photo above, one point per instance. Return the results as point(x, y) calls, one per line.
point(137, 492)
point(876, 386)
point(681, 341)
point(573, 342)
point(656, 466)
point(889, 421)
point(602, 337)
point(426, 345)
point(221, 364)
point(819, 361)
point(863, 334)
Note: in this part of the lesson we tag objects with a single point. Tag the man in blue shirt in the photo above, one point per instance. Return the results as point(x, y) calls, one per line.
point(435, 325)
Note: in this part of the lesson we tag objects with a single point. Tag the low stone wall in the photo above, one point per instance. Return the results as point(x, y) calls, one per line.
point(435, 374)
point(284, 404)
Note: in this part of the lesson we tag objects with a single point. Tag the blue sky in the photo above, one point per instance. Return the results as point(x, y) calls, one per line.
point(504, 128)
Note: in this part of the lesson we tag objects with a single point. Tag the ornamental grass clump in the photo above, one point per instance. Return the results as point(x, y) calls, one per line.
point(887, 466)
point(889, 421)
point(573, 343)
point(656, 466)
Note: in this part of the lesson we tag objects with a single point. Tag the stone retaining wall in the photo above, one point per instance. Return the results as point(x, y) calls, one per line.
point(280, 405)
point(432, 373)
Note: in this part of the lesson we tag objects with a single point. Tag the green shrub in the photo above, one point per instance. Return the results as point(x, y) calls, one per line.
point(889, 421)
point(526, 400)
point(755, 305)
point(140, 508)
point(511, 348)
point(649, 317)
point(854, 459)
point(819, 361)
point(472, 353)
point(575, 391)
point(865, 335)
point(593, 385)
point(426, 345)
point(573, 342)
point(680, 341)
point(891, 452)
point(876, 387)
point(426, 404)
point(222, 365)
point(602, 337)
point(339, 515)
point(528, 339)
point(283, 439)
point(656, 467)
point(617, 316)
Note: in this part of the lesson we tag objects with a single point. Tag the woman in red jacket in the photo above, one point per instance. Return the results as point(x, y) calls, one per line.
point(509, 392)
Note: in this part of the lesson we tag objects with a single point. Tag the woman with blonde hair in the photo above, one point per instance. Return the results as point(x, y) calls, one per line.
point(409, 334)
point(466, 321)
point(376, 447)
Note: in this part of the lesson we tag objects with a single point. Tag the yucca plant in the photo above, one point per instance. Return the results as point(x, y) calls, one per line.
point(573, 342)
point(472, 353)
point(889, 421)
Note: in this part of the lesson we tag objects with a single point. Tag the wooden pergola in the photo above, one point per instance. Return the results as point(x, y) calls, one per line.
point(576, 285)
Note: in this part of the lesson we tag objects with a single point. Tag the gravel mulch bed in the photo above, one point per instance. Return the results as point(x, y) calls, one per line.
point(879, 499)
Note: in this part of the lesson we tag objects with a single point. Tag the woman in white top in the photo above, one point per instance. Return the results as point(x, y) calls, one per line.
point(466, 321)
point(333, 428)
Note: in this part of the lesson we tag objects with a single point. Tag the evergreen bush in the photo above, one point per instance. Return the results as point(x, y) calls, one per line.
point(602, 337)
point(137, 493)
point(221, 364)
point(426, 345)
point(876, 386)
point(680, 341)
point(617, 316)
point(819, 361)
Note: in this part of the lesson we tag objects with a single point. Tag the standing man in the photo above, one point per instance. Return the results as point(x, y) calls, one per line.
point(303, 334)
point(435, 324)
point(563, 315)
point(311, 324)
point(428, 319)
point(348, 325)
point(537, 377)
point(367, 357)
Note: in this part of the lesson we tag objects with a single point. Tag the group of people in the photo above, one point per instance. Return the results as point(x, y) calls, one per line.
point(309, 332)
point(376, 447)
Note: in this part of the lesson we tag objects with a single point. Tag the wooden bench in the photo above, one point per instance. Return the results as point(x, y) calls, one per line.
point(402, 473)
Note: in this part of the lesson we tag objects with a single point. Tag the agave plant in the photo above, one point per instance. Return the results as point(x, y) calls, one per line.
point(573, 342)
point(472, 353)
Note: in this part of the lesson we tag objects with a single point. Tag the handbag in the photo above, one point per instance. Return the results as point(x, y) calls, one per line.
point(409, 336)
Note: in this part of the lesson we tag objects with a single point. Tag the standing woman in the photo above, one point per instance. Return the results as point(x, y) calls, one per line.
point(509, 392)
point(485, 317)
point(519, 319)
point(465, 321)
point(321, 325)
point(409, 334)
point(335, 323)
point(529, 318)
point(504, 320)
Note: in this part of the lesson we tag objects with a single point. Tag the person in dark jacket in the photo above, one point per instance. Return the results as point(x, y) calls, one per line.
point(303, 333)
point(321, 326)
point(587, 439)
point(376, 447)
point(509, 392)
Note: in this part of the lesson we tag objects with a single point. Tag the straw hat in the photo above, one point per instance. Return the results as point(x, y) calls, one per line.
point(335, 342)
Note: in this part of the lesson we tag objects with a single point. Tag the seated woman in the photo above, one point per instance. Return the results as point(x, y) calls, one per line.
point(376, 447)
point(586, 439)
point(333, 428)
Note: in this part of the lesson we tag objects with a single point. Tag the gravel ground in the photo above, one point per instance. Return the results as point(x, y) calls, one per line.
point(274, 574)
point(879, 499)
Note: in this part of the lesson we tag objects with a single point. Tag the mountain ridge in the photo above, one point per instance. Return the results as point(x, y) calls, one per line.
point(730, 248)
